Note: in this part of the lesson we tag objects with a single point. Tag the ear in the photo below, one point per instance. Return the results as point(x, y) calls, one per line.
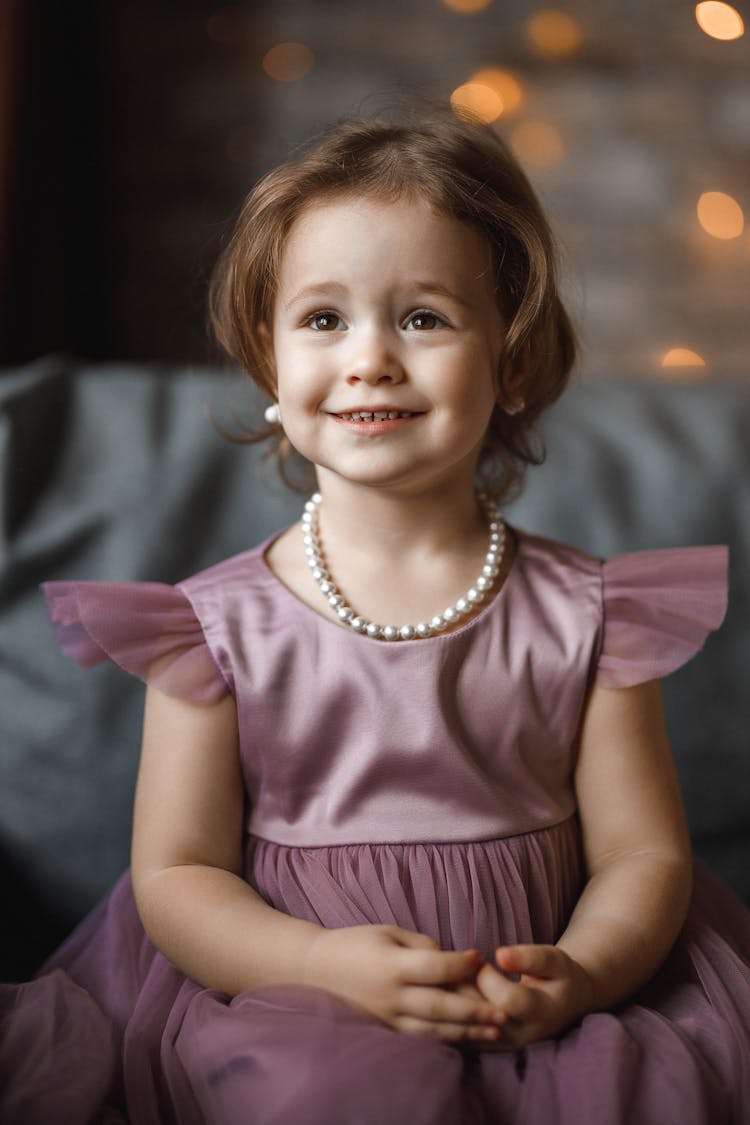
point(511, 388)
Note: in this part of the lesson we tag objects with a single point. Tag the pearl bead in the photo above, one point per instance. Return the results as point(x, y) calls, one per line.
point(473, 596)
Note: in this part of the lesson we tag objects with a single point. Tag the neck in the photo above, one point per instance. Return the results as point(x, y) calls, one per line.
point(343, 607)
point(391, 525)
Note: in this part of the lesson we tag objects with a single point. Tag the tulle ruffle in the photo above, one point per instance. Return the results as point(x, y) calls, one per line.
point(659, 607)
point(192, 1056)
point(148, 628)
point(464, 895)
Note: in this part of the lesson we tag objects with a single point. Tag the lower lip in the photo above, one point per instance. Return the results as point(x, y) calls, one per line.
point(374, 428)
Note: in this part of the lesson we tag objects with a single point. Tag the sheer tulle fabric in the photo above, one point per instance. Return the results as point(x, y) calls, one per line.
point(491, 708)
point(191, 1056)
point(148, 628)
point(659, 606)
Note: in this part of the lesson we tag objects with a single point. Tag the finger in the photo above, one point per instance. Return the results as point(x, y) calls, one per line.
point(440, 1006)
point(440, 967)
point(494, 986)
point(535, 960)
point(411, 940)
point(450, 1032)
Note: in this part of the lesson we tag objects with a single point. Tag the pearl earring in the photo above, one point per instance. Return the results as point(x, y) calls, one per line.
point(272, 414)
point(515, 408)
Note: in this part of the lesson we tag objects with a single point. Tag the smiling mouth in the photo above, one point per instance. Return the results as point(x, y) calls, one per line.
point(376, 415)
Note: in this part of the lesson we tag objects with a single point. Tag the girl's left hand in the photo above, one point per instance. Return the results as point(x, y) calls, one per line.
point(552, 991)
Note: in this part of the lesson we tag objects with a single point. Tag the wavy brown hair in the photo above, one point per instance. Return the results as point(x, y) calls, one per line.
point(464, 170)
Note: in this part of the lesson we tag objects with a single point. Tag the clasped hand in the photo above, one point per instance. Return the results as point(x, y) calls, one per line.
point(408, 982)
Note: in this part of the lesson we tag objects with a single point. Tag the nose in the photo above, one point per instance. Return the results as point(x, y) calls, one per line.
point(372, 359)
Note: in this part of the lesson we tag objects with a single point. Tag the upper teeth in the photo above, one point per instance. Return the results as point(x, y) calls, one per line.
point(375, 416)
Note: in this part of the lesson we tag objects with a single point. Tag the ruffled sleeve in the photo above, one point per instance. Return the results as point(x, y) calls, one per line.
point(659, 607)
point(148, 628)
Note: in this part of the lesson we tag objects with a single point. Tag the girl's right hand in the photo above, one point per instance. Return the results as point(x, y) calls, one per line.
point(404, 979)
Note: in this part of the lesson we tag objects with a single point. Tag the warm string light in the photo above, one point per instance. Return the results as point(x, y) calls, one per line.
point(288, 62)
point(466, 7)
point(720, 21)
point(472, 99)
point(553, 33)
point(504, 84)
point(682, 358)
point(488, 94)
point(720, 215)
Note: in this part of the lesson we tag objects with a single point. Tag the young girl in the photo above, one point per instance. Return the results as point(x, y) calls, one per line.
point(408, 843)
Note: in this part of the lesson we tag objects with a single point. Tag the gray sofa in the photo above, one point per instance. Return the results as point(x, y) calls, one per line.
point(119, 473)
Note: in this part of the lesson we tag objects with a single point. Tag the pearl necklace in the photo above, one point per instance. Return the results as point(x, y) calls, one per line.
point(461, 608)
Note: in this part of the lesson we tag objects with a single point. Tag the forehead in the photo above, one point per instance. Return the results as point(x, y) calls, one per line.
point(410, 233)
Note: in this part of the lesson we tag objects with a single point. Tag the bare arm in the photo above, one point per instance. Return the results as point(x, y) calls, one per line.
point(187, 853)
point(637, 855)
point(199, 911)
point(636, 844)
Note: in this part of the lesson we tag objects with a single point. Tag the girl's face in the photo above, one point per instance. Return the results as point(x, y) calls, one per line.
point(386, 308)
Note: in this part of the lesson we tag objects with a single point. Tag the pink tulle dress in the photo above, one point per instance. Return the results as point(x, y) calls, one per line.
point(425, 784)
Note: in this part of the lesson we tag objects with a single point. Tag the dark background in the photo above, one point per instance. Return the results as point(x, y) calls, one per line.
point(130, 131)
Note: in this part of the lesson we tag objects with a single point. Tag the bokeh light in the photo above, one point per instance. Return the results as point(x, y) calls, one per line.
point(553, 33)
point(504, 84)
point(288, 62)
point(720, 21)
point(720, 215)
point(474, 99)
point(537, 144)
point(466, 7)
point(682, 357)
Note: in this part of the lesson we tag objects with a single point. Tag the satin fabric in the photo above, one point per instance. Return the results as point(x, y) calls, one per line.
point(464, 736)
point(425, 784)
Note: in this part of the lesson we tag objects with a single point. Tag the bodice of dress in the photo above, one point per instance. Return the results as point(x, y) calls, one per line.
point(465, 736)
point(469, 735)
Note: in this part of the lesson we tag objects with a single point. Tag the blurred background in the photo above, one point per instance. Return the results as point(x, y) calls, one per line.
point(130, 131)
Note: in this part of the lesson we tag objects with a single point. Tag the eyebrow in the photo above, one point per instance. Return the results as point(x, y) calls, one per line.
point(322, 288)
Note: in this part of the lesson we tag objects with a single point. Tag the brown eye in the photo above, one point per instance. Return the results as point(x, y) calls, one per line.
point(423, 321)
point(324, 321)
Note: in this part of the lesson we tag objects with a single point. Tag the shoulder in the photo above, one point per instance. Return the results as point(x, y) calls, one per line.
point(240, 573)
point(557, 572)
point(652, 609)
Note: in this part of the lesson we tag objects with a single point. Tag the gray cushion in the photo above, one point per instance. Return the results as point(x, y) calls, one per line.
point(116, 472)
